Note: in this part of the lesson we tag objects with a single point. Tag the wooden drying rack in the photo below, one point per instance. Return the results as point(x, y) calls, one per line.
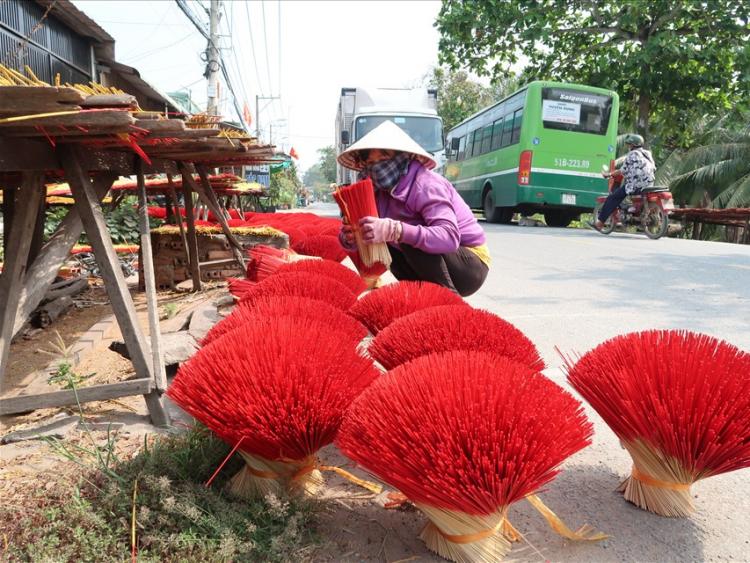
point(89, 150)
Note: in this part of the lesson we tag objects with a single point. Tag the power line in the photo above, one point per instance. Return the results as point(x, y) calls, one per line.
point(265, 45)
point(252, 50)
point(182, 4)
point(240, 114)
point(139, 56)
point(279, 57)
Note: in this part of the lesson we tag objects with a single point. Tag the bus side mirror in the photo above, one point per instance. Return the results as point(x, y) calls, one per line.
point(345, 137)
point(455, 142)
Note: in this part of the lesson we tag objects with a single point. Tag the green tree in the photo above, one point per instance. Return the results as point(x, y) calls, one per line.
point(717, 169)
point(328, 163)
point(661, 57)
point(313, 175)
point(323, 171)
point(459, 96)
point(285, 185)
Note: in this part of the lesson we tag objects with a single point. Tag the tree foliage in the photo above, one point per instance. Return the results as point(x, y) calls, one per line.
point(328, 163)
point(284, 186)
point(322, 174)
point(661, 57)
point(323, 171)
point(459, 96)
point(717, 169)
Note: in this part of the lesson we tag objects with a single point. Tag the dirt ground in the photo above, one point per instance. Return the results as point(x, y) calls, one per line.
point(26, 464)
point(25, 356)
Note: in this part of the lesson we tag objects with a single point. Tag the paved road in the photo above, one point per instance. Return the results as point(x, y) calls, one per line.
point(573, 289)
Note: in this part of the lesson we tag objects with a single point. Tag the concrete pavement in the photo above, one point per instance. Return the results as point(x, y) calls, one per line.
point(574, 288)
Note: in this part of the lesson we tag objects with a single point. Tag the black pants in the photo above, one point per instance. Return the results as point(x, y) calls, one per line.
point(461, 271)
point(610, 204)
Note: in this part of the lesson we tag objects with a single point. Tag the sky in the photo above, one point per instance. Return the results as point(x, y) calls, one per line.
point(305, 51)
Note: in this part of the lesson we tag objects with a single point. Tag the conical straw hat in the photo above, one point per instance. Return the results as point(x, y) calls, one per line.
point(386, 136)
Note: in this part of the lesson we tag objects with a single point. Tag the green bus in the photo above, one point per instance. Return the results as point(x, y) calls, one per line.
point(540, 150)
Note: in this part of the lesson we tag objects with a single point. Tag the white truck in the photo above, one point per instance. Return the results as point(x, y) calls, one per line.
point(362, 109)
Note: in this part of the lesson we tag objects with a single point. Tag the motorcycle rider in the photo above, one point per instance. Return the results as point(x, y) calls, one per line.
point(638, 170)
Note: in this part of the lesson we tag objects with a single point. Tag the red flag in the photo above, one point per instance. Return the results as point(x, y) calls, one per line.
point(293, 154)
point(246, 115)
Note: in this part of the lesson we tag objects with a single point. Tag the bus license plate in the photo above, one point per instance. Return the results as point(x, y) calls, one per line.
point(569, 199)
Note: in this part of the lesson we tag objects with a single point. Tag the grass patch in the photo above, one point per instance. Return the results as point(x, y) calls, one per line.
point(177, 517)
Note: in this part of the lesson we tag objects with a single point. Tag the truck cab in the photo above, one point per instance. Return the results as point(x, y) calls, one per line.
point(361, 110)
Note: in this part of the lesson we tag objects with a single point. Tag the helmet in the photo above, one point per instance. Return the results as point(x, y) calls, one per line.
point(633, 139)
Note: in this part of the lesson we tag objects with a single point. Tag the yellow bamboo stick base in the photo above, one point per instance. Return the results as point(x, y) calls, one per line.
point(465, 538)
point(372, 253)
point(658, 483)
point(261, 477)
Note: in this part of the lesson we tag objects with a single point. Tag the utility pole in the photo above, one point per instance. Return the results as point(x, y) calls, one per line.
point(257, 111)
point(213, 58)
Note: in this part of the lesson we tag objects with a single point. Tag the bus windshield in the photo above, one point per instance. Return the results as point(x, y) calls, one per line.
point(574, 110)
point(427, 131)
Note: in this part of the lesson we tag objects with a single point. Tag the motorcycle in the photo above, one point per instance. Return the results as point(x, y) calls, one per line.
point(648, 211)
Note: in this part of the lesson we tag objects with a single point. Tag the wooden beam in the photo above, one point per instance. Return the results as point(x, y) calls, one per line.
point(206, 192)
point(192, 238)
point(178, 217)
point(25, 403)
point(114, 281)
point(37, 237)
point(18, 155)
point(157, 361)
point(43, 270)
point(229, 262)
point(17, 248)
point(9, 200)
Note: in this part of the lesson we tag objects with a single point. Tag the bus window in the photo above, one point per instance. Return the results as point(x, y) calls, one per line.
point(469, 144)
point(461, 148)
point(517, 117)
point(573, 110)
point(497, 134)
point(476, 149)
point(507, 129)
point(486, 139)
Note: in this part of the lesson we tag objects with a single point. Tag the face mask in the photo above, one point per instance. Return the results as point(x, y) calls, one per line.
point(386, 173)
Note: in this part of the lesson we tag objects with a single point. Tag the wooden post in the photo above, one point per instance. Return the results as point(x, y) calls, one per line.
point(114, 281)
point(43, 271)
point(9, 198)
point(239, 207)
point(37, 237)
point(696, 230)
point(192, 239)
point(173, 196)
point(209, 197)
point(147, 256)
point(17, 247)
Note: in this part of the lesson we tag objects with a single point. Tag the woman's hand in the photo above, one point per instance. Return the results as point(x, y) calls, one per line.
point(346, 236)
point(376, 230)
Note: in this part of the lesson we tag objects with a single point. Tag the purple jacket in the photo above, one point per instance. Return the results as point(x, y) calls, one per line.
point(435, 218)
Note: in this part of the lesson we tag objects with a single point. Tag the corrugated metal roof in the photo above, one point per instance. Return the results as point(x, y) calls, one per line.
point(67, 13)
